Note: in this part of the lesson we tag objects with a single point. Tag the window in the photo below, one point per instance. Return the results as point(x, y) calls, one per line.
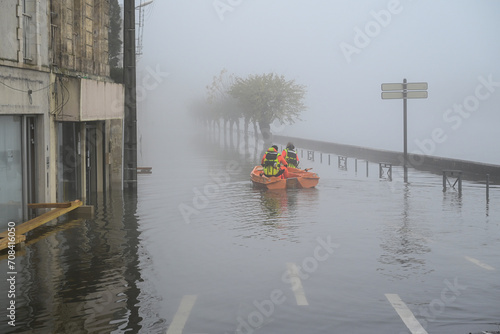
point(28, 34)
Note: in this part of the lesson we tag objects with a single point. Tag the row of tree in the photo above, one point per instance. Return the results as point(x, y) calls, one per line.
point(257, 99)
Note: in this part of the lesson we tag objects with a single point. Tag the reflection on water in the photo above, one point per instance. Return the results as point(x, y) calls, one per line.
point(280, 216)
point(452, 201)
point(84, 279)
point(274, 204)
point(404, 242)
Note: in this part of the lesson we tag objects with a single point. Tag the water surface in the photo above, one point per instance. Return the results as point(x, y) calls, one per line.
point(198, 228)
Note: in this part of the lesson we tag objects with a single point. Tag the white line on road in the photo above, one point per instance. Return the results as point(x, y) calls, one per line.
point(297, 288)
point(479, 263)
point(404, 312)
point(182, 314)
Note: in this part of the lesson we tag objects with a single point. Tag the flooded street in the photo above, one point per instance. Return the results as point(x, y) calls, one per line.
point(201, 251)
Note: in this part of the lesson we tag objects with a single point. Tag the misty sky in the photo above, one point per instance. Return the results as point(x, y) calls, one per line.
point(342, 51)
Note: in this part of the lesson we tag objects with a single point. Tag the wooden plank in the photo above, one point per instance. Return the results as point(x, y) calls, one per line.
point(48, 205)
point(43, 219)
point(4, 242)
point(56, 229)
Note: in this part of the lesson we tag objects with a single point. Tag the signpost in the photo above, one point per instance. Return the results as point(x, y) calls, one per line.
point(404, 91)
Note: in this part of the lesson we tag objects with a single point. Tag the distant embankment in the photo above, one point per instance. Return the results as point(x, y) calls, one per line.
point(471, 170)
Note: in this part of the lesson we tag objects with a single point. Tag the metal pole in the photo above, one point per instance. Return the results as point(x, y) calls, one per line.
point(460, 183)
point(444, 181)
point(130, 117)
point(405, 131)
point(487, 187)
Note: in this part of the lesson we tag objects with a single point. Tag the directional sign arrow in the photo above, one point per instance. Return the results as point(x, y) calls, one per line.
point(400, 86)
point(409, 95)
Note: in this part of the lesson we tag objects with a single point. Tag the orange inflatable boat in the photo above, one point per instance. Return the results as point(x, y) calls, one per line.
point(297, 178)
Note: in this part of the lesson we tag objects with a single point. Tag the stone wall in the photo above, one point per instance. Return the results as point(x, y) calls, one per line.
point(81, 36)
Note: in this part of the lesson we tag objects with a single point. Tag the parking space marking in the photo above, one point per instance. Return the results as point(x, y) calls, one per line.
point(297, 288)
point(182, 314)
point(479, 263)
point(406, 315)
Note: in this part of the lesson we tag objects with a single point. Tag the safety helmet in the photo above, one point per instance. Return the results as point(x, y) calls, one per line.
point(275, 147)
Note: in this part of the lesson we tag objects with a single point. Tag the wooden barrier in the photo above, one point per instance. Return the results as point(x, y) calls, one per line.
point(4, 242)
point(21, 229)
point(48, 205)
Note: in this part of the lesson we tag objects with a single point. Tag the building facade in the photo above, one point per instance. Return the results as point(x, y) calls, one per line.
point(61, 116)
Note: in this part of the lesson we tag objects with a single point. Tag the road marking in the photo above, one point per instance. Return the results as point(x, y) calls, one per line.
point(404, 312)
point(297, 288)
point(479, 263)
point(182, 314)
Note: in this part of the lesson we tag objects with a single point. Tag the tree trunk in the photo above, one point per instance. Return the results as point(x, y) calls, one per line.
point(265, 130)
point(231, 126)
point(245, 127)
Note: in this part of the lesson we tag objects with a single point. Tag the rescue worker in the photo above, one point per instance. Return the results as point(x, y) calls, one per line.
point(290, 155)
point(274, 164)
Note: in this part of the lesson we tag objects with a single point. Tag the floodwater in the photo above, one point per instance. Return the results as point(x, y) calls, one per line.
point(199, 250)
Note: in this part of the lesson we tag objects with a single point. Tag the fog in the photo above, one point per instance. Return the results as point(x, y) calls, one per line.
point(342, 52)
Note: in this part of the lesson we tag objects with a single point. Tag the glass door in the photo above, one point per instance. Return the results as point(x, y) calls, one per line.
point(11, 170)
point(69, 167)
